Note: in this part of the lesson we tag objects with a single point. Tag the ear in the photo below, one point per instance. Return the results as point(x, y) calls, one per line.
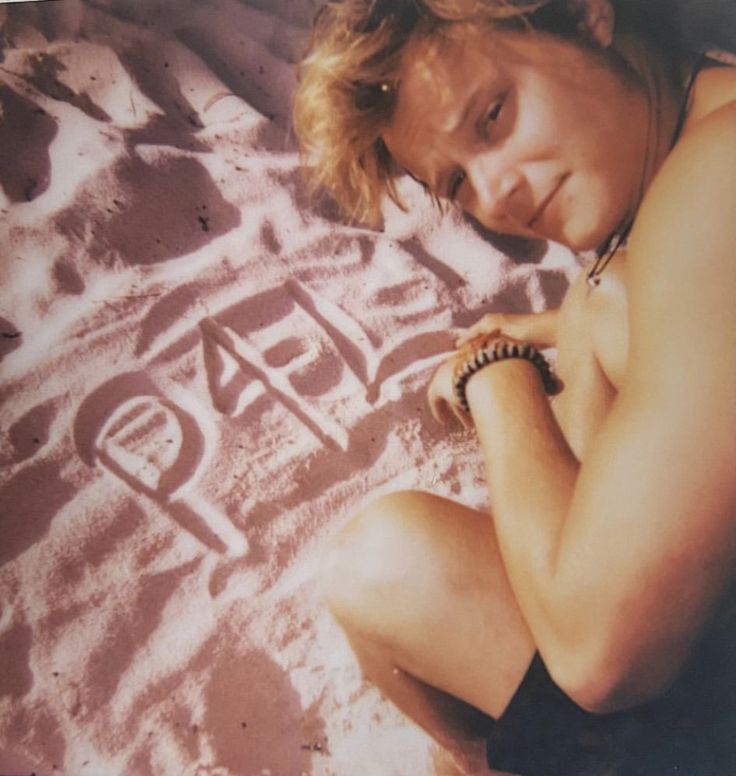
point(598, 20)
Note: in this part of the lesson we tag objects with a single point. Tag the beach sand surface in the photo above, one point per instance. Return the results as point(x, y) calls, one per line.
point(203, 374)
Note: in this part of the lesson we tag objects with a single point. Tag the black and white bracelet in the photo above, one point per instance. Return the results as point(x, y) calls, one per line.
point(500, 350)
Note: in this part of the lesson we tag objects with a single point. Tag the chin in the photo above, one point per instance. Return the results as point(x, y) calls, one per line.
point(581, 237)
point(590, 218)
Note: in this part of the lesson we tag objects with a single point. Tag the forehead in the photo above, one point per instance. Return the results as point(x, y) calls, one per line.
point(434, 71)
point(438, 79)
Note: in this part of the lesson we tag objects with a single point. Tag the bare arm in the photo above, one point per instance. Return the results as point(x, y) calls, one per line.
point(617, 564)
point(540, 329)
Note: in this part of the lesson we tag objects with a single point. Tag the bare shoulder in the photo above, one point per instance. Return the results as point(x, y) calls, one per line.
point(714, 87)
point(682, 260)
point(686, 221)
point(695, 189)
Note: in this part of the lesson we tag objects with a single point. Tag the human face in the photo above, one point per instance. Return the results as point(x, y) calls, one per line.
point(530, 134)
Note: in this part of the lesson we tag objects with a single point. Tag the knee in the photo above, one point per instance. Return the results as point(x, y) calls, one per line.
point(370, 562)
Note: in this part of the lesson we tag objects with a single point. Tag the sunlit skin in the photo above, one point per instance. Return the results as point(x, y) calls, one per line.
point(526, 133)
point(613, 532)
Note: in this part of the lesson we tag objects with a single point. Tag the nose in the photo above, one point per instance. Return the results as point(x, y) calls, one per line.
point(495, 191)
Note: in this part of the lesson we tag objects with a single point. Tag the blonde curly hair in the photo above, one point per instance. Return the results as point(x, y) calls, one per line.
point(346, 93)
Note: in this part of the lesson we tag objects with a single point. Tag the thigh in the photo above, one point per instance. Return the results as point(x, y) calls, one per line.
point(423, 577)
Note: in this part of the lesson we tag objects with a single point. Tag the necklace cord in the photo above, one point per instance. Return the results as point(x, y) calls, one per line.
point(614, 243)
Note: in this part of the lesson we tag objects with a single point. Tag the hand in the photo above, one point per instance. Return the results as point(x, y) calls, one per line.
point(441, 396)
point(537, 329)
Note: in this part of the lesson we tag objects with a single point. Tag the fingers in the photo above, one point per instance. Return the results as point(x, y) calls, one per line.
point(443, 411)
point(438, 408)
point(488, 324)
point(443, 403)
point(463, 417)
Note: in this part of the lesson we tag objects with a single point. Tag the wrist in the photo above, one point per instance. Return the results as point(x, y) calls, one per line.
point(513, 377)
point(484, 353)
point(539, 329)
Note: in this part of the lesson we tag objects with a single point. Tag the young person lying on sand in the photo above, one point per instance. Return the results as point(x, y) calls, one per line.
point(583, 628)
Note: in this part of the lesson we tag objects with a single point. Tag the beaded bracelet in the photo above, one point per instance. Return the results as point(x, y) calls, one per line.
point(499, 350)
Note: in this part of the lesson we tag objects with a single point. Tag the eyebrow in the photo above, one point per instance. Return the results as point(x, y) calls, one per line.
point(467, 110)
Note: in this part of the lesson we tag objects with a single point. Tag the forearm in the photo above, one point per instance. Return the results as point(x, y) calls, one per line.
point(531, 476)
point(539, 329)
point(594, 552)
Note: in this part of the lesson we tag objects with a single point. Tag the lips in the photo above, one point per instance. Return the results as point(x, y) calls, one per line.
point(545, 202)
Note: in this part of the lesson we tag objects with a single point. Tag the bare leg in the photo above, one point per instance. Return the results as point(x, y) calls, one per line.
point(459, 727)
point(418, 585)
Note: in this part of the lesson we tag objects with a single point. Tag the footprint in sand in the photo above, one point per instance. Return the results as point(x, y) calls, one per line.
point(10, 338)
point(140, 227)
point(30, 432)
point(26, 132)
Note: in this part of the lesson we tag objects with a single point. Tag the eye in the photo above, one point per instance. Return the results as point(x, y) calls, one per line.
point(491, 117)
point(453, 186)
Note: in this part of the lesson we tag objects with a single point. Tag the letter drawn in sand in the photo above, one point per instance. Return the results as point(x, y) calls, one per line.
point(273, 381)
point(155, 447)
point(145, 443)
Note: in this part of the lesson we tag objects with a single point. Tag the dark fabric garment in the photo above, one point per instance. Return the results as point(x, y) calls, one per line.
point(688, 731)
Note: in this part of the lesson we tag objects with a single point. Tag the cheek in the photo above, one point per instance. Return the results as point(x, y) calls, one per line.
point(618, 167)
point(595, 212)
point(573, 118)
point(605, 164)
point(538, 135)
point(552, 121)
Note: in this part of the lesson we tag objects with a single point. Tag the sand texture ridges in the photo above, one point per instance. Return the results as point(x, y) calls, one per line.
point(202, 376)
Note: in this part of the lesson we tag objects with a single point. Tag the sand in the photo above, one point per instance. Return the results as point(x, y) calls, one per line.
point(203, 375)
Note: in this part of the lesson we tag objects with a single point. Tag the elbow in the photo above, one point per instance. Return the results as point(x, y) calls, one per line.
point(614, 681)
point(596, 691)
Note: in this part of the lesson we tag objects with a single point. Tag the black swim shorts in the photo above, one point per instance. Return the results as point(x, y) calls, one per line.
point(543, 733)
